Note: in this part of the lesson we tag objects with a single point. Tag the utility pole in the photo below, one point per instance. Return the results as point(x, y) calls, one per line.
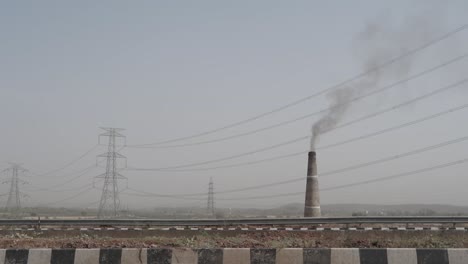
point(14, 195)
point(210, 209)
point(109, 204)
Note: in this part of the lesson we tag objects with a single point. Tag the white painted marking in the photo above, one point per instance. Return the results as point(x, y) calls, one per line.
point(134, 255)
point(402, 255)
point(290, 255)
point(457, 256)
point(274, 229)
point(345, 256)
point(244, 229)
point(236, 255)
point(194, 229)
point(184, 256)
point(39, 256)
point(86, 256)
point(207, 229)
point(2, 256)
point(304, 228)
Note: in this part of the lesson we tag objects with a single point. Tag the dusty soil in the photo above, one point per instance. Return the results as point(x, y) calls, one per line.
point(270, 239)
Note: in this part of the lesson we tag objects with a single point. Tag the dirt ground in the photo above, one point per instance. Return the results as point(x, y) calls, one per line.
point(264, 239)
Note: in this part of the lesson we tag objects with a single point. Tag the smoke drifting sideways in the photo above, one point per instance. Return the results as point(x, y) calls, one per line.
point(376, 44)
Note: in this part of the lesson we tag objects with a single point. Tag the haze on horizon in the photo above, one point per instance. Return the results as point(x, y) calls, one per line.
point(170, 69)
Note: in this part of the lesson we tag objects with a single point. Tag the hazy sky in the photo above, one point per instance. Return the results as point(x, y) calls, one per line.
point(168, 69)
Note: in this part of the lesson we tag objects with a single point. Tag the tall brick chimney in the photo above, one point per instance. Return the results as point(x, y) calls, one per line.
point(312, 196)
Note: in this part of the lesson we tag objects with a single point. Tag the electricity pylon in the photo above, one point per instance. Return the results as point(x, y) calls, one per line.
point(109, 204)
point(14, 195)
point(210, 209)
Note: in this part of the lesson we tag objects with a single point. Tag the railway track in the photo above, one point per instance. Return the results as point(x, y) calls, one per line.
point(251, 222)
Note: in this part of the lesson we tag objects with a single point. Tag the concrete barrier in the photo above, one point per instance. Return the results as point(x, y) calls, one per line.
point(234, 256)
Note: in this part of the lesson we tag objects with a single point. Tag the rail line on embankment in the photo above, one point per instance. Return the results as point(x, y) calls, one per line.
point(292, 222)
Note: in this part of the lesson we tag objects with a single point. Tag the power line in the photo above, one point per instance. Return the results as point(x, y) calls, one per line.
point(90, 204)
point(449, 111)
point(79, 174)
point(78, 171)
point(81, 171)
point(71, 197)
point(414, 122)
point(355, 167)
point(425, 96)
point(290, 121)
point(227, 158)
point(397, 175)
point(240, 164)
point(332, 172)
point(356, 77)
point(387, 178)
point(68, 181)
point(149, 194)
point(68, 164)
point(62, 190)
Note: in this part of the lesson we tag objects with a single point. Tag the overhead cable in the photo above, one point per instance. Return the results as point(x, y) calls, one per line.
point(387, 178)
point(68, 164)
point(303, 117)
point(286, 106)
point(411, 101)
point(324, 174)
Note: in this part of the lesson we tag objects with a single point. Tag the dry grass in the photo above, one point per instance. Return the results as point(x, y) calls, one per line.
point(276, 239)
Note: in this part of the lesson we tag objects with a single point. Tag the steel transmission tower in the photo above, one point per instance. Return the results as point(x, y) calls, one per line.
point(14, 195)
point(109, 204)
point(210, 209)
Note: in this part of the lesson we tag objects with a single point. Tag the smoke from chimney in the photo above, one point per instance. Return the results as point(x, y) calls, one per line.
point(377, 43)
